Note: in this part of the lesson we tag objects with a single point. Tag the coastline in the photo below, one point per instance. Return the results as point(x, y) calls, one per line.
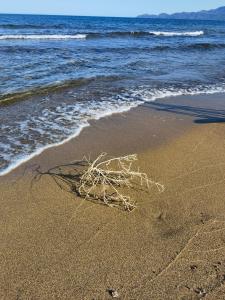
point(57, 245)
point(128, 111)
point(123, 108)
point(124, 118)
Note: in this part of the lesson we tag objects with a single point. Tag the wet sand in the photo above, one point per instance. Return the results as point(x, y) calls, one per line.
point(57, 246)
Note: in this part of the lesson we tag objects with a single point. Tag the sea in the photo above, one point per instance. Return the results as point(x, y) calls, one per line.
point(59, 72)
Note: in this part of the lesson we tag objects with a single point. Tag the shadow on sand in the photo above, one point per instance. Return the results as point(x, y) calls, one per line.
point(200, 115)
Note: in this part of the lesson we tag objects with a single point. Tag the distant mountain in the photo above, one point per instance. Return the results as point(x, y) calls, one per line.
point(213, 14)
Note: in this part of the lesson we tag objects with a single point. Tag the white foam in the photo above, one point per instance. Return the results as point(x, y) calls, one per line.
point(173, 33)
point(96, 116)
point(42, 37)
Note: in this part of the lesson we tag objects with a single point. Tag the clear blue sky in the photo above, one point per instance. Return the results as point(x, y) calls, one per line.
point(105, 7)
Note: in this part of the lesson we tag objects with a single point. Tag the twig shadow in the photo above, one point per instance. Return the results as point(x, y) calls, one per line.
point(67, 178)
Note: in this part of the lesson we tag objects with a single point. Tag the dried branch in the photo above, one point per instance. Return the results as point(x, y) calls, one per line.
point(103, 180)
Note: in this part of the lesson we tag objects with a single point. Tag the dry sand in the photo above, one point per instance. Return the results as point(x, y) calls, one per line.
point(54, 245)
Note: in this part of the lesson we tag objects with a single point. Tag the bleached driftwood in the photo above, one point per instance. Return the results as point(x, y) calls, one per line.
point(105, 180)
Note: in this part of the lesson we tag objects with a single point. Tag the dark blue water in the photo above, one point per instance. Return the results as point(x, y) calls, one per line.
point(57, 72)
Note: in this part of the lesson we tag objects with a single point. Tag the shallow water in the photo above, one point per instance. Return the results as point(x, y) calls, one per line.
point(59, 72)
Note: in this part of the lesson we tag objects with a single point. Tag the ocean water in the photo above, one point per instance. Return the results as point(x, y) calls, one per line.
point(57, 73)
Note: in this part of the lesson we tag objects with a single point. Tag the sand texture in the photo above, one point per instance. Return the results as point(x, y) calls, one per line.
point(54, 245)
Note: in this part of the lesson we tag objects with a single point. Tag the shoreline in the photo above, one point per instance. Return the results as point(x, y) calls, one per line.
point(68, 139)
point(125, 110)
point(104, 120)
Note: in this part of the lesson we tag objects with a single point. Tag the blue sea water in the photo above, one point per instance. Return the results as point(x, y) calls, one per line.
point(57, 72)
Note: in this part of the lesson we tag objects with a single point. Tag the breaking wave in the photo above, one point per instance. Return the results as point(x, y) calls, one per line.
point(42, 37)
point(173, 33)
point(93, 35)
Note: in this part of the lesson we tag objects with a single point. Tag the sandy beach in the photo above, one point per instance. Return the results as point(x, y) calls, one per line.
point(54, 245)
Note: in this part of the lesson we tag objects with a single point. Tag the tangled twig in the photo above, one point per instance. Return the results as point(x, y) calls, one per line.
point(103, 179)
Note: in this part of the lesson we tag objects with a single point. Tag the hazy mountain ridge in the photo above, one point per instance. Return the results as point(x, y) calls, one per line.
point(213, 14)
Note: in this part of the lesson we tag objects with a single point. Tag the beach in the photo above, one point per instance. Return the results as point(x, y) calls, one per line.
point(55, 245)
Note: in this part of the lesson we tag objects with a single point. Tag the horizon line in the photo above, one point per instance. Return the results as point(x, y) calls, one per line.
point(101, 16)
point(64, 15)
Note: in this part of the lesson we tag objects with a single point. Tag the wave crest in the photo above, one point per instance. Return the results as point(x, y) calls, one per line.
point(173, 33)
point(113, 34)
point(42, 37)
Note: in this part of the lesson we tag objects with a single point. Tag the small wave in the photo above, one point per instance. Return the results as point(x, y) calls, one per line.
point(116, 34)
point(127, 33)
point(173, 33)
point(93, 35)
point(119, 34)
point(42, 37)
point(137, 34)
point(11, 98)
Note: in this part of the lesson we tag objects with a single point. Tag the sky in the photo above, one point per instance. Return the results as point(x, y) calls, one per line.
point(123, 8)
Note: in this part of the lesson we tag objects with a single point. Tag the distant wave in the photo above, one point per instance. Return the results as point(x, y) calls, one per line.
point(173, 33)
point(127, 33)
point(146, 33)
point(116, 34)
point(93, 35)
point(42, 37)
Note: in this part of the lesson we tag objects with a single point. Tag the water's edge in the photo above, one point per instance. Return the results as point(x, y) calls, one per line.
point(39, 151)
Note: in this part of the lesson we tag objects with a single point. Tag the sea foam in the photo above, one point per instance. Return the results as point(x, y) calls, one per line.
point(173, 33)
point(42, 37)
